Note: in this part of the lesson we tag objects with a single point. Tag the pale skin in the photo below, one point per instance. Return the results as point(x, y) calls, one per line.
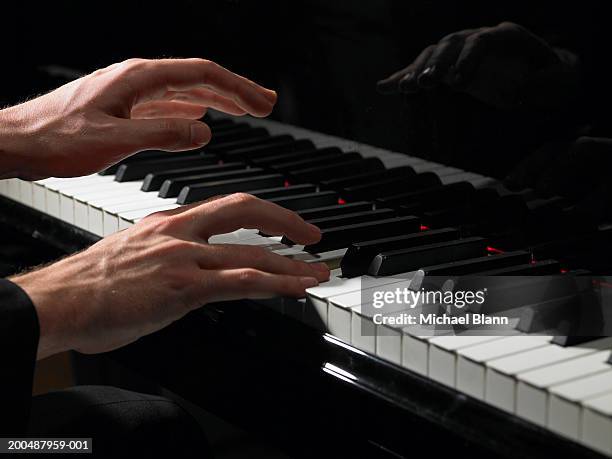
point(139, 280)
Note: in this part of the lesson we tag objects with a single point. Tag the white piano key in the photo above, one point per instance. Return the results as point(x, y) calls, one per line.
point(533, 386)
point(3, 187)
point(443, 357)
point(564, 403)
point(339, 306)
point(13, 189)
point(596, 429)
point(38, 197)
point(25, 192)
point(110, 216)
point(136, 215)
point(502, 373)
point(471, 361)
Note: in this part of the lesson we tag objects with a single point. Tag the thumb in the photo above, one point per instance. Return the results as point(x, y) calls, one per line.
point(168, 134)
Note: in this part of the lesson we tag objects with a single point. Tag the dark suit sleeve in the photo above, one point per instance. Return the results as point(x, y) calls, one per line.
point(19, 333)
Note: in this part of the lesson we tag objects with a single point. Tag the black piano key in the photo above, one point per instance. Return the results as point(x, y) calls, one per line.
point(330, 169)
point(172, 187)
point(299, 155)
point(574, 340)
point(306, 201)
point(537, 268)
point(369, 176)
point(405, 260)
point(283, 191)
point(350, 219)
point(281, 146)
point(261, 139)
point(431, 198)
point(343, 236)
point(474, 265)
point(138, 170)
point(553, 314)
point(390, 186)
point(198, 192)
point(358, 257)
point(477, 207)
point(237, 133)
point(337, 209)
point(219, 122)
point(148, 155)
point(153, 181)
point(320, 156)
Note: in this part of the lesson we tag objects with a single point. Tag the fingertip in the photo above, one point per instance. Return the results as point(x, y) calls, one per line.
point(308, 282)
point(408, 84)
point(200, 133)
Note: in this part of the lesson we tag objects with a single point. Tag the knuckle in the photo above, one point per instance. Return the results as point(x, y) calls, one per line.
point(509, 25)
point(172, 131)
point(242, 199)
point(452, 38)
point(160, 222)
point(584, 143)
point(248, 278)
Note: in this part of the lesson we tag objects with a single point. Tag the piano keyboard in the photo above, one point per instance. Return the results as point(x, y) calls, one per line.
point(388, 219)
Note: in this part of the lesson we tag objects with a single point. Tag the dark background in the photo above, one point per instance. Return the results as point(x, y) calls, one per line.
point(324, 58)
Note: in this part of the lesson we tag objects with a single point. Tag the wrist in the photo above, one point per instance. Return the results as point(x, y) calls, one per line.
point(15, 143)
point(54, 300)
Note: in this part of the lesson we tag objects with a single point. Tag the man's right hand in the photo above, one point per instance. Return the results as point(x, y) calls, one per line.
point(140, 280)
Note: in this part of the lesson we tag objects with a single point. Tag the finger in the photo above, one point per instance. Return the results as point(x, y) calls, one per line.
point(391, 84)
point(470, 57)
point(247, 283)
point(152, 78)
point(528, 171)
point(442, 59)
point(241, 210)
point(168, 134)
point(208, 98)
point(587, 162)
point(408, 84)
point(229, 256)
point(168, 109)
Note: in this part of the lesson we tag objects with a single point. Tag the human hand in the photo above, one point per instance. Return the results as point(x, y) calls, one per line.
point(505, 66)
point(97, 120)
point(140, 280)
point(572, 168)
point(577, 170)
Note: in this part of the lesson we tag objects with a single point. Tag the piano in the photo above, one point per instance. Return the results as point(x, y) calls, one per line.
point(318, 374)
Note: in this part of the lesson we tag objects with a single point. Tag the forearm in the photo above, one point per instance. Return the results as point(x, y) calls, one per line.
point(14, 138)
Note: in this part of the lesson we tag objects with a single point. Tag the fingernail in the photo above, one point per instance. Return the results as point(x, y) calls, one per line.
point(271, 96)
point(407, 81)
point(307, 282)
point(320, 267)
point(200, 134)
point(425, 78)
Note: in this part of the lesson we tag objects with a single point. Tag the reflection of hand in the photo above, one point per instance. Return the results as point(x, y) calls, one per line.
point(568, 169)
point(505, 66)
point(579, 170)
point(95, 121)
point(140, 280)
